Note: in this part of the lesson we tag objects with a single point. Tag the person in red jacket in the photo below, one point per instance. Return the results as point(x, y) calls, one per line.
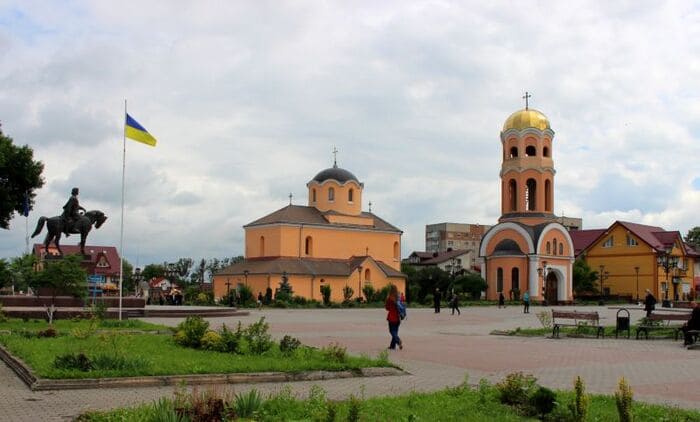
point(393, 317)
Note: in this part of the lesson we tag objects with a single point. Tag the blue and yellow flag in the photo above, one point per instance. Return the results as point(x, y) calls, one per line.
point(135, 131)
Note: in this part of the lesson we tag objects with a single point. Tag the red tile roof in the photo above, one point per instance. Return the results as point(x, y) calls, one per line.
point(95, 252)
point(584, 238)
point(312, 266)
point(445, 256)
point(299, 214)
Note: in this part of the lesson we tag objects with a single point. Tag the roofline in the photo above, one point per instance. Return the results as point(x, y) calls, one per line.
point(357, 182)
point(324, 226)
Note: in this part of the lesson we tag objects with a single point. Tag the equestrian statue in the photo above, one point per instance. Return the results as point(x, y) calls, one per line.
point(74, 219)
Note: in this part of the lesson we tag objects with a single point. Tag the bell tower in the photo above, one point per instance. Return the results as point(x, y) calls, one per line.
point(527, 170)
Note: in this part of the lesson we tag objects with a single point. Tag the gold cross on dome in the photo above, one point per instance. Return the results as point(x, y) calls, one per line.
point(526, 97)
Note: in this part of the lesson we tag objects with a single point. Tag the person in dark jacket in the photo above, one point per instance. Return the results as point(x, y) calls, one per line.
point(501, 300)
point(692, 324)
point(436, 300)
point(649, 303)
point(454, 303)
point(393, 317)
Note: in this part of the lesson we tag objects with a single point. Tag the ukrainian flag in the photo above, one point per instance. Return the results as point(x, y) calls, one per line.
point(133, 130)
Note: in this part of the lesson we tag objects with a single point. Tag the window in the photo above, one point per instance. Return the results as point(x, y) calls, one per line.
point(499, 280)
point(608, 242)
point(331, 194)
point(531, 195)
point(513, 195)
point(549, 248)
point(262, 245)
point(545, 152)
point(515, 279)
point(350, 192)
point(396, 250)
point(631, 241)
point(554, 244)
point(530, 151)
point(308, 245)
point(547, 195)
point(514, 152)
point(561, 249)
point(313, 195)
point(367, 275)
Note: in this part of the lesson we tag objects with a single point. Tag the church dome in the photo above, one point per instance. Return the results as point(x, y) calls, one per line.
point(335, 173)
point(526, 118)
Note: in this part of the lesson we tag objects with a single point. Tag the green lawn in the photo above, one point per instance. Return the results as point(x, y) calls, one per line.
point(587, 331)
point(64, 326)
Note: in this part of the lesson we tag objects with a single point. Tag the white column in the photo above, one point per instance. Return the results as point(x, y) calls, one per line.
point(534, 278)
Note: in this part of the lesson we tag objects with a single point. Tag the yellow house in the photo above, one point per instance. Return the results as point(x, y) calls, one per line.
point(634, 257)
point(331, 241)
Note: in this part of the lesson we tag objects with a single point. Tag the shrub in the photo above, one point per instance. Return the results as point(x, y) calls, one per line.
point(3, 316)
point(354, 406)
point(99, 310)
point(259, 341)
point(579, 408)
point(211, 340)
point(369, 292)
point(73, 361)
point(231, 340)
point(543, 401)
point(347, 293)
point(282, 304)
point(334, 352)
point(49, 332)
point(83, 333)
point(545, 319)
point(245, 294)
point(516, 389)
point(289, 344)
point(299, 300)
point(206, 406)
point(163, 411)
point(383, 293)
point(247, 404)
point(623, 401)
point(192, 329)
point(110, 362)
point(326, 293)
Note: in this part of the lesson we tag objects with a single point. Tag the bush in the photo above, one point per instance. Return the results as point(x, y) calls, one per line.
point(211, 340)
point(206, 406)
point(49, 332)
point(73, 361)
point(545, 318)
point(299, 300)
point(246, 295)
point(383, 293)
point(516, 389)
point(369, 292)
point(347, 293)
point(231, 340)
point(109, 362)
point(259, 341)
point(289, 344)
point(623, 401)
point(190, 331)
point(3, 316)
point(543, 401)
point(83, 333)
point(579, 408)
point(334, 352)
point(247, 404)
point(99, 310)
point(326, 293)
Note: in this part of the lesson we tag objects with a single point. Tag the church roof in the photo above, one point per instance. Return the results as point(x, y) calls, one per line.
point(526, 118)
point(507, 247)
point(309, 266)
point(335, 173)
point(299, 214)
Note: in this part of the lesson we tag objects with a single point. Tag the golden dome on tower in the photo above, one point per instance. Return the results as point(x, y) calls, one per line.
point(526, 118)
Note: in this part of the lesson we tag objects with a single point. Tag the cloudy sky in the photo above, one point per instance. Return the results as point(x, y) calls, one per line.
point(247, 100)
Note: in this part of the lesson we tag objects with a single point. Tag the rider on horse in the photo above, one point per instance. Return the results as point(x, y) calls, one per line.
point(70, 212)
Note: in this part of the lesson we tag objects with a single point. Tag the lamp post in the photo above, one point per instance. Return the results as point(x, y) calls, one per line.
point(228, 291)
point(171, 273)
point(666, 261)
point(137, 280)
point(542, 271)
point(636, 271)
point(602, 275)
point(359, 281)
point(245, 274)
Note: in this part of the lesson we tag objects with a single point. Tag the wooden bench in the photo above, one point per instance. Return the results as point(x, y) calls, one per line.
point(576, 319)
point(667, 318)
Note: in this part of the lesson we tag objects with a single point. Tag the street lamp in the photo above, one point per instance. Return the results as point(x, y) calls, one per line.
point(228, 291)
point(171, 273)
point(666, 261)
point(602, 275)
point(636, 270)
point(137, 280)
point(542, 271)
point(359, 281)
point(245, 273)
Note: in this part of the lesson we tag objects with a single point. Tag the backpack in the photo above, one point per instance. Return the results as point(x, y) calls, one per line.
point(402, 309)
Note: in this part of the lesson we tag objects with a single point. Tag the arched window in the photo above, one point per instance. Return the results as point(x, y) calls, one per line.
point(513, 195)
point(513, 152)
point(499, 280)
point(313, 195)
point(515, 279)
point(531, 195)
point(549, 248)
point(545, 152)
point(308, 246)
point(331, 194)
point(350, 192)
point(547, 195)
point(530, 151)
point(368, 275)
point(561, 248)
point(396, 250)
point(262, 245)
point(554, 242)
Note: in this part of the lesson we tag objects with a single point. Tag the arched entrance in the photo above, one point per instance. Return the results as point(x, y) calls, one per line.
point(551, 293)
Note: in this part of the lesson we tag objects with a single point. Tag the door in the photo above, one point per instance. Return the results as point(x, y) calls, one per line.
point(551, 293)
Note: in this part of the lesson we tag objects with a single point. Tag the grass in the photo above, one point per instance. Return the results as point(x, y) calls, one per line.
point(452, 404)
point(64, 326)
point(584, 330)
point(157, 354)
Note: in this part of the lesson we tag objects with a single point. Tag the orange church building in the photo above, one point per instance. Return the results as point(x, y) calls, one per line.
point(528, 250)
point(331, 241)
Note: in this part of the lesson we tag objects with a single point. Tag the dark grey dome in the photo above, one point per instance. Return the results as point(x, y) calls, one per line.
point(507, 247)
point(335, 173)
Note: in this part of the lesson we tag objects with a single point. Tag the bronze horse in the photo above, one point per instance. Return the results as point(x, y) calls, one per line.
point(81, 226)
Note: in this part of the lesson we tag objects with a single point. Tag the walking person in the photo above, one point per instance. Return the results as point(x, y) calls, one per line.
point(501, 300)
point(649, 303)
point(436, 300)
point(526, 303)
point(393, 317)
point(454, 303)
point(260, 300)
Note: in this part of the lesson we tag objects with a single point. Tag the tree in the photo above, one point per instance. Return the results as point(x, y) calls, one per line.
point(471, 283)
point(23, 270)
point(128, 282)
point(424, 281)
point(183, 267)
point(5, 273)
point(584, 278)
point(64, 276)
point(20, 177)
point(693, 237)
point(152, 270)
point(284, 292)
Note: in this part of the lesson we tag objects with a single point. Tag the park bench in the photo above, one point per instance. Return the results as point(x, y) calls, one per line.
point(576, 319)
point(665, 322)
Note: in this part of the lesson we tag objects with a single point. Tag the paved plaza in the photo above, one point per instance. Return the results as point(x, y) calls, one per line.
point(439, 351)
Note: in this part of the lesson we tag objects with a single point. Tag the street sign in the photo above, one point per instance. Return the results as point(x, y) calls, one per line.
point(96, 278)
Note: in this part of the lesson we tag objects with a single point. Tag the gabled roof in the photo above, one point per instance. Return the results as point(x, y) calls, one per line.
point(155, 282)
point(445, 256)
point(690, 251)
point(308, 266)
point(656, 237)
point(584, 238)
point(422, 255)
point(298, 214)
point(93, 251)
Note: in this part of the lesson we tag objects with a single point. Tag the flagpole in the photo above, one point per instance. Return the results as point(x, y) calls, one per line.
point(121, 236)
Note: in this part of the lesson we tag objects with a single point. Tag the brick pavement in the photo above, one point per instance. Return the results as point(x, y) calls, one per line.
point(440, 350)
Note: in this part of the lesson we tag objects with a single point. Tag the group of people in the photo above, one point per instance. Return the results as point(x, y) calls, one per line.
point(453, 301)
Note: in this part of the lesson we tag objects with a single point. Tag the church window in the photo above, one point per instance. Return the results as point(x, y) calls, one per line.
point(368, 275)
point(545, 152)
point(513, 194)
point(514, 152)
point(515, 279)
point(530, 151)
point(308, 246)
point(313, 195)
point(547, 195)
point(561, 248)
point(554, 243)
point(531, 195)
point(499, 280)
point(631, 241)
point(608, 242)
point(262, 245)
point(331, 194)
point(396, 250)
point(350, 192)
point(549, 248)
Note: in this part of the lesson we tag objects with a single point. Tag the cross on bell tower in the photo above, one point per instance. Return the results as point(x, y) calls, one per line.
point(290, 198)
point(335, 157)
point(526, 97)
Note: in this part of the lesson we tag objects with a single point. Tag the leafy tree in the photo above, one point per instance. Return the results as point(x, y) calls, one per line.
point(284, 292)
point(128, 283)
point(153, 270)
point(585, 279)
point(183, 267)
point(5, 273)
point(424, 281)
point(23, 271)
point(20, 175)
point(64, 276)
point(693, 237)
point(471, 283)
